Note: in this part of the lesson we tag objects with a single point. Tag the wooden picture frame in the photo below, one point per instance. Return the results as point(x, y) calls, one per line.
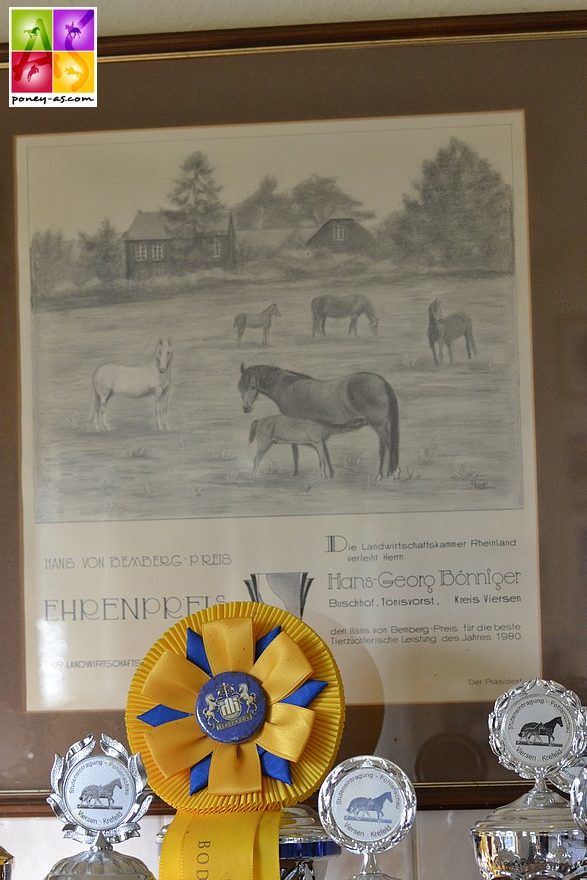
point(536, 63)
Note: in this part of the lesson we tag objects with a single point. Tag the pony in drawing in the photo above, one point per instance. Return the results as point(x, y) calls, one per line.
point(153, 378)
point(442, 332)
point(344, 404)
point(352, 307)
point(260, 320)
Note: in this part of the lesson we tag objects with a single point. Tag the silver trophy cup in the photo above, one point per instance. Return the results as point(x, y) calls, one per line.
point(537, 729)
point(368, 805)
point(100, 798)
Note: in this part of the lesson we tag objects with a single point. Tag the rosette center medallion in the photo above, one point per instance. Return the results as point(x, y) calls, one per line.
point(231, 707)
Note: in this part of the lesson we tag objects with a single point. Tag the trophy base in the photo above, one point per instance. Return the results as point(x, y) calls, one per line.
point(535, 836)
point(372, 876)
point(370, 870)
point(106, 864)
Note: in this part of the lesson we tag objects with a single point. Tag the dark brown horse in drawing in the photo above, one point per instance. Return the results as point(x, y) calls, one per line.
point(352, 307)
point(345, 404)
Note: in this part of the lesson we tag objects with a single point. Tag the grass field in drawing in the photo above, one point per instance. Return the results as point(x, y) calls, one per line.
point(459, 424)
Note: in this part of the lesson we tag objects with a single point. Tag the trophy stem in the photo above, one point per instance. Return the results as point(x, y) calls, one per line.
point(369, 870)
point(540, 795)
point(369, 864)
point(100, 844)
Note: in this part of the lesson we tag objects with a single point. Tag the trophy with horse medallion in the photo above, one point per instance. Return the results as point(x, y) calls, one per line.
point(537, 729)
point(100, 798)
point(367, 805)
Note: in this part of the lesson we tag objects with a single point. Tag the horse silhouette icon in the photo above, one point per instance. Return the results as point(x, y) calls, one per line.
point(361, 807)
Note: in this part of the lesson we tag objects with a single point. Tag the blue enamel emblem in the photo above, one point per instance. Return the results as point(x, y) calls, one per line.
point(231, 707)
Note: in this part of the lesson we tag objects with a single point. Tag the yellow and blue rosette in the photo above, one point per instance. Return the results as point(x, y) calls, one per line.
point(237, 711)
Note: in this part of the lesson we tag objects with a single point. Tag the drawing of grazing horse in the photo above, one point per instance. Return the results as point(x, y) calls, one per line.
point(360, 807)
point(340, 405)
point(261, 320)
point(151, 378)
point(93, 794)
point(443, 332)
point(352, 307)
point(533, 730)
point(297, 432)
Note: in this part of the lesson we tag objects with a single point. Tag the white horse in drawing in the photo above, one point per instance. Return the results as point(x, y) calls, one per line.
point(151, 378)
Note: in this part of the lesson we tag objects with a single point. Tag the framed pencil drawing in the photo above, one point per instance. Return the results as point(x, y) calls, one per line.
point(278, 330)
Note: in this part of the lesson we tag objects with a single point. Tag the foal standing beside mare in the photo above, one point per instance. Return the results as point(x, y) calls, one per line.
point(345, 404)
point(152, 378)
point(443, 331)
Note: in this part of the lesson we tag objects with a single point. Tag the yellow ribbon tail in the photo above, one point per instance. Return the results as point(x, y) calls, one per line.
point(286, 731)
point(214, 846)
point(234, 769)
point(281, 668)
point(175, 682)
point(177, 745)
point(266, 864)
point(229, 644)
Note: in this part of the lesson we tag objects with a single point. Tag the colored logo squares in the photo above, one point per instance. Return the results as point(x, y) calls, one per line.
point(53, 57)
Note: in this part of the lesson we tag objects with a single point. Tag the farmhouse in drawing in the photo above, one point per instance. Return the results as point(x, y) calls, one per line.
point(342, 234)
point(149, 247)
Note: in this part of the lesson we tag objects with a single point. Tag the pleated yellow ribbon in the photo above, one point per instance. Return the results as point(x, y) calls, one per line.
point(229, 829)
point(175, 682)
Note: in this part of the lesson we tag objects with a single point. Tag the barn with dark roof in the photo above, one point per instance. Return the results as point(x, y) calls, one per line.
point(342, 234)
